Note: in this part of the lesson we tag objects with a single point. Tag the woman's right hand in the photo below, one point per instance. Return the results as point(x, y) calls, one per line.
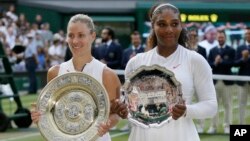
point(119, 108)
point(35, 115)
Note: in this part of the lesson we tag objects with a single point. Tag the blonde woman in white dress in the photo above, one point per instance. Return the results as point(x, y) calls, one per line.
point(80, 36)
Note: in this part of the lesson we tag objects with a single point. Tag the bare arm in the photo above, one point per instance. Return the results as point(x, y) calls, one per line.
point(52, 73)
point(112, 84)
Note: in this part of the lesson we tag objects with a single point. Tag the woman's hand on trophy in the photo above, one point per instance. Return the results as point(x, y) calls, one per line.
point(34, 113)
point(178, 110)
point(104, 128)
point(119, 108)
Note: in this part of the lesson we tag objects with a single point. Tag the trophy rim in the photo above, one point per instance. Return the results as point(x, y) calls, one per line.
point(48, 116)
point(150, 68)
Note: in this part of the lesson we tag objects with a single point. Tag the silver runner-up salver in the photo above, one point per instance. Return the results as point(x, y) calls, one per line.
point(72, 106)
point(151, 92)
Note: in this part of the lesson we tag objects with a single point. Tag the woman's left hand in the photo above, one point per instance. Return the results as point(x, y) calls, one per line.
point(178, 110)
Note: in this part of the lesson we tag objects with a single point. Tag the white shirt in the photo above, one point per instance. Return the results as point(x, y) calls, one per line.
point(195, 76)
point(208, 46)
point(56, 51)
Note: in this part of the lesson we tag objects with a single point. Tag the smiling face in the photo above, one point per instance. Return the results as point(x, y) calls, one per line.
point(79, 38)
point(167, 28)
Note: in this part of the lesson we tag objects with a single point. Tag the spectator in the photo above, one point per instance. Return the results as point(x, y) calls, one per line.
point(136, 47)
point(39, 20)
point(243, 62)
point(22, 23)
point(193, 42)
point(110, 52)
point(210, 39)
point(56, 51)
point(234, 36)
point(221, 59)
point(31, 62)
point(46, 33)
point(11, 13)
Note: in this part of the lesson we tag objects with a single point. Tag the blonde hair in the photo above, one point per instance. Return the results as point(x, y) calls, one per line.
point(83, 19)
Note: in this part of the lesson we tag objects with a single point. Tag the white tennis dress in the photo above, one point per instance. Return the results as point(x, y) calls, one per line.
point(195, 75)
point(94, 69)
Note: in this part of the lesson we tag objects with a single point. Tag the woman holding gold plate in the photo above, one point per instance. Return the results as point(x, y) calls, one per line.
point(80, 36)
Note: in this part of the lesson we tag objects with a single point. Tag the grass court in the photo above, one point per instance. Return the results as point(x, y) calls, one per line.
point(32, 133)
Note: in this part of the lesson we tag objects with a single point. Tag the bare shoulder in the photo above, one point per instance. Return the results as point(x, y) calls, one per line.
point(52, 72)
point(107, 72)
point(111, 83)
point(110, 76)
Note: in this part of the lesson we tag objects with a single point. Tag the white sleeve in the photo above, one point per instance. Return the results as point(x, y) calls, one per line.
point(130, 67)
point(206, 107)
point(51, 50)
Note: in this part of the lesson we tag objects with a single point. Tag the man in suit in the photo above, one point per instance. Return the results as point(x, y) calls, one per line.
point(221, 59)
point(136, 47)
point(109, 52)
point(243, 62)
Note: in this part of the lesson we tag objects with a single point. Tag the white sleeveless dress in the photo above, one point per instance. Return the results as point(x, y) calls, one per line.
point(94, 69)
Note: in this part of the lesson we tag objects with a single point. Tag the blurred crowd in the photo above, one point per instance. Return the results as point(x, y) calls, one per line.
point(17, 34)
point(50, 48)
point(223, 57)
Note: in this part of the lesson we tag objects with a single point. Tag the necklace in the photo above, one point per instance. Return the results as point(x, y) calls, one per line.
point(81, 68)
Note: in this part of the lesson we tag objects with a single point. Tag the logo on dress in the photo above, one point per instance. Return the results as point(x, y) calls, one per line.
point(174, 67)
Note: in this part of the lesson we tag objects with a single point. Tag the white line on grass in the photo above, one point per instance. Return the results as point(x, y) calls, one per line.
point(118, 134)
point(221, 109)
point(36, 134)
point(112, 136)
point(24, 136)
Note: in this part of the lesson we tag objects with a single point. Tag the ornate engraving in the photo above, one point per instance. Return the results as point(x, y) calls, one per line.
point(72, 106)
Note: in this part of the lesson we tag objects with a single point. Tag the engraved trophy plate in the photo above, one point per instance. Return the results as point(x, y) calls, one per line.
point(72, 107)
point(151, 91)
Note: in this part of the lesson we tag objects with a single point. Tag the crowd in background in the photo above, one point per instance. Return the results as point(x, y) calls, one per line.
point(222, 57)
point(16, 31)
point(51, 47)
point(223, 46)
